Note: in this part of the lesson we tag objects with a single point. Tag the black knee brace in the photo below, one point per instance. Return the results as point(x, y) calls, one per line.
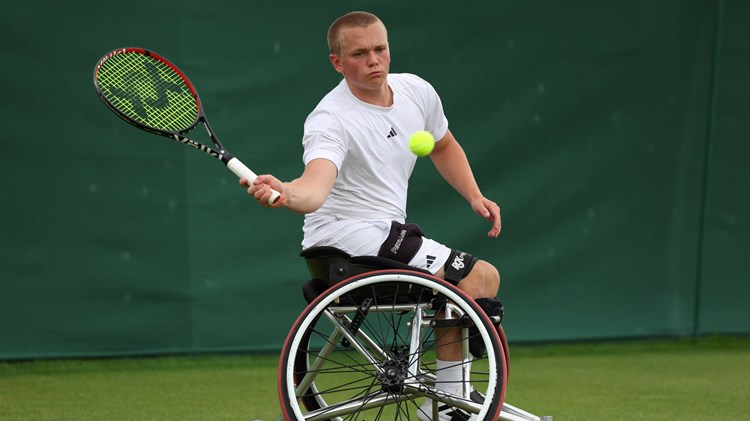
point(458, 265)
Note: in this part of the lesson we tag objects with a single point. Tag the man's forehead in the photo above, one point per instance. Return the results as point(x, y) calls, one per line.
point(357, 37)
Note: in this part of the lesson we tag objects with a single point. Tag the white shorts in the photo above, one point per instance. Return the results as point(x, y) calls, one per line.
point(365, 238)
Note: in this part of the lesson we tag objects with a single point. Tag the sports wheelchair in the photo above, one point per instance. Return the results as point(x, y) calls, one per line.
point(365, 348)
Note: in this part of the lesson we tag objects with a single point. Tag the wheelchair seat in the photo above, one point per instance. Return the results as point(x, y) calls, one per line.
point(330, 265)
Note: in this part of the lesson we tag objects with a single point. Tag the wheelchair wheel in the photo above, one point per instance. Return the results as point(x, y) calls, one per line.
point(366, 349)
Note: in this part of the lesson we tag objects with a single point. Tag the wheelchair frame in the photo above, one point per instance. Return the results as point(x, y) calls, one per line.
point(365, 347)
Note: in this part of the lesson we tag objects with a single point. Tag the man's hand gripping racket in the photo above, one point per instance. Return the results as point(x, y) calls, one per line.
point(151, 93)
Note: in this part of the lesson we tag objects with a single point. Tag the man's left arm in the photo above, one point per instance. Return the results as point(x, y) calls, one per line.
point(451, 162)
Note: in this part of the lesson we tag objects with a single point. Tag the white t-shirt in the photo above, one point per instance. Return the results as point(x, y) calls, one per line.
point(370, 147)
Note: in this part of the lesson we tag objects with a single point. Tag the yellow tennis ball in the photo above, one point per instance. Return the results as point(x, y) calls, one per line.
point(421, 143)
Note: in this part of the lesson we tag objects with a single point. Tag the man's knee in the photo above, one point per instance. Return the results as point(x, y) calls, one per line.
point(491, 274)
point(486, 278)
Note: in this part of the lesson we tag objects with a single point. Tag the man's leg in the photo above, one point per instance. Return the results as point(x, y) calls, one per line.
point(483, 281)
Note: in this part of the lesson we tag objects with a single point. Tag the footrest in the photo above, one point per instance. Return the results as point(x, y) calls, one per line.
point(511, 413)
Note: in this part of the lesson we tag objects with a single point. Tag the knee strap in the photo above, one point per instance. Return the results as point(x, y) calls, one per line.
point(494, 309)
point(458, 265)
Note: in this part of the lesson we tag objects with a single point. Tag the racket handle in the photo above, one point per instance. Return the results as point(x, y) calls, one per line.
point(242, 171)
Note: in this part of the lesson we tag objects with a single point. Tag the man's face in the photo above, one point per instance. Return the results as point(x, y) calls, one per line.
point(364, 58)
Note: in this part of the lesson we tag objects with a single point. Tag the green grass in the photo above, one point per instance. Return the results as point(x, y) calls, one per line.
point(674, 380)
point(174, 388)
point(664, 380)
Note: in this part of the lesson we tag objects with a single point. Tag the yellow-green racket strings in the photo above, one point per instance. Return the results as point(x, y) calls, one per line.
point(148, 91)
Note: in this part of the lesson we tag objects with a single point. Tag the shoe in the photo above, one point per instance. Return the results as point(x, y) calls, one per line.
point(448, 413)
point(445, 413)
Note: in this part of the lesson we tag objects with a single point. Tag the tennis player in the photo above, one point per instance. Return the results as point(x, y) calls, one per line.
point(353, 190)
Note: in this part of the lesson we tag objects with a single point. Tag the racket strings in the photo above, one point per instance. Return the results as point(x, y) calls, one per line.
point(148, 91)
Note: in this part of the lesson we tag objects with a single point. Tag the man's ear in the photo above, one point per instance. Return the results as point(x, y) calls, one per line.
point(336, 63)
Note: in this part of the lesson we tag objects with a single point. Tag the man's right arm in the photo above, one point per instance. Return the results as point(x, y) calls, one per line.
point(303, 195)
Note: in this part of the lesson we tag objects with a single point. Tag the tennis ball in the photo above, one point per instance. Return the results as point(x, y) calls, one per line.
point(421, 143)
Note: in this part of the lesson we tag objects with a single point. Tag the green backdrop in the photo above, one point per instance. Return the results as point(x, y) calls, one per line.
point(613, 135)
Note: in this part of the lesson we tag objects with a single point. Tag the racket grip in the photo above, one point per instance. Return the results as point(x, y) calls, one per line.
point(242, 171)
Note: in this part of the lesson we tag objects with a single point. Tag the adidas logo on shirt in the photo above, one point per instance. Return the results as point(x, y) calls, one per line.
point(392, 133)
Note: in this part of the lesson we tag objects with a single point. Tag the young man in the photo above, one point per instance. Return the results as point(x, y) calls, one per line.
point(357, 166)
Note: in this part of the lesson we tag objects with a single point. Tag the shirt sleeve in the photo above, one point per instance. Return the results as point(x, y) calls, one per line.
point(324, 138)
point(435, 120)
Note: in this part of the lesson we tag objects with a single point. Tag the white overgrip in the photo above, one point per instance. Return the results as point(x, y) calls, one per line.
point(242, 171)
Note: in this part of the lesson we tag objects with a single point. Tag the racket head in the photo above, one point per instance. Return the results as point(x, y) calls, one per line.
point(147, 91)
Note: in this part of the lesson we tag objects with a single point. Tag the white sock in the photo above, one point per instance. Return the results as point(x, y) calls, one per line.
point(450, 375)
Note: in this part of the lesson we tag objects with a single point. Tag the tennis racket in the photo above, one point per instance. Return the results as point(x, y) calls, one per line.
point(152, 94)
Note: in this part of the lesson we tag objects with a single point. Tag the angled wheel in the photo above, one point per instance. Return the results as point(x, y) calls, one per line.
point(366, 349)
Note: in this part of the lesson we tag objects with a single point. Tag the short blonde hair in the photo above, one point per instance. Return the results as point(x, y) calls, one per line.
point(349, 20)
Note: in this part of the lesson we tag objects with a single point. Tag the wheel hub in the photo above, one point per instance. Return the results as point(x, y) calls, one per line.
point(393, 375)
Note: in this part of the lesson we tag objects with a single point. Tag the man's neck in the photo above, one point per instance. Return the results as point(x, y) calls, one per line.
point(382, 97)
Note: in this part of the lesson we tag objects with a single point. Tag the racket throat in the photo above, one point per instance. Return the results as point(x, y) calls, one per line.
point(221, 154)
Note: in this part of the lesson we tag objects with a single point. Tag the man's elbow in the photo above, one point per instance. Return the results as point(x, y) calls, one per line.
point(309, 204)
